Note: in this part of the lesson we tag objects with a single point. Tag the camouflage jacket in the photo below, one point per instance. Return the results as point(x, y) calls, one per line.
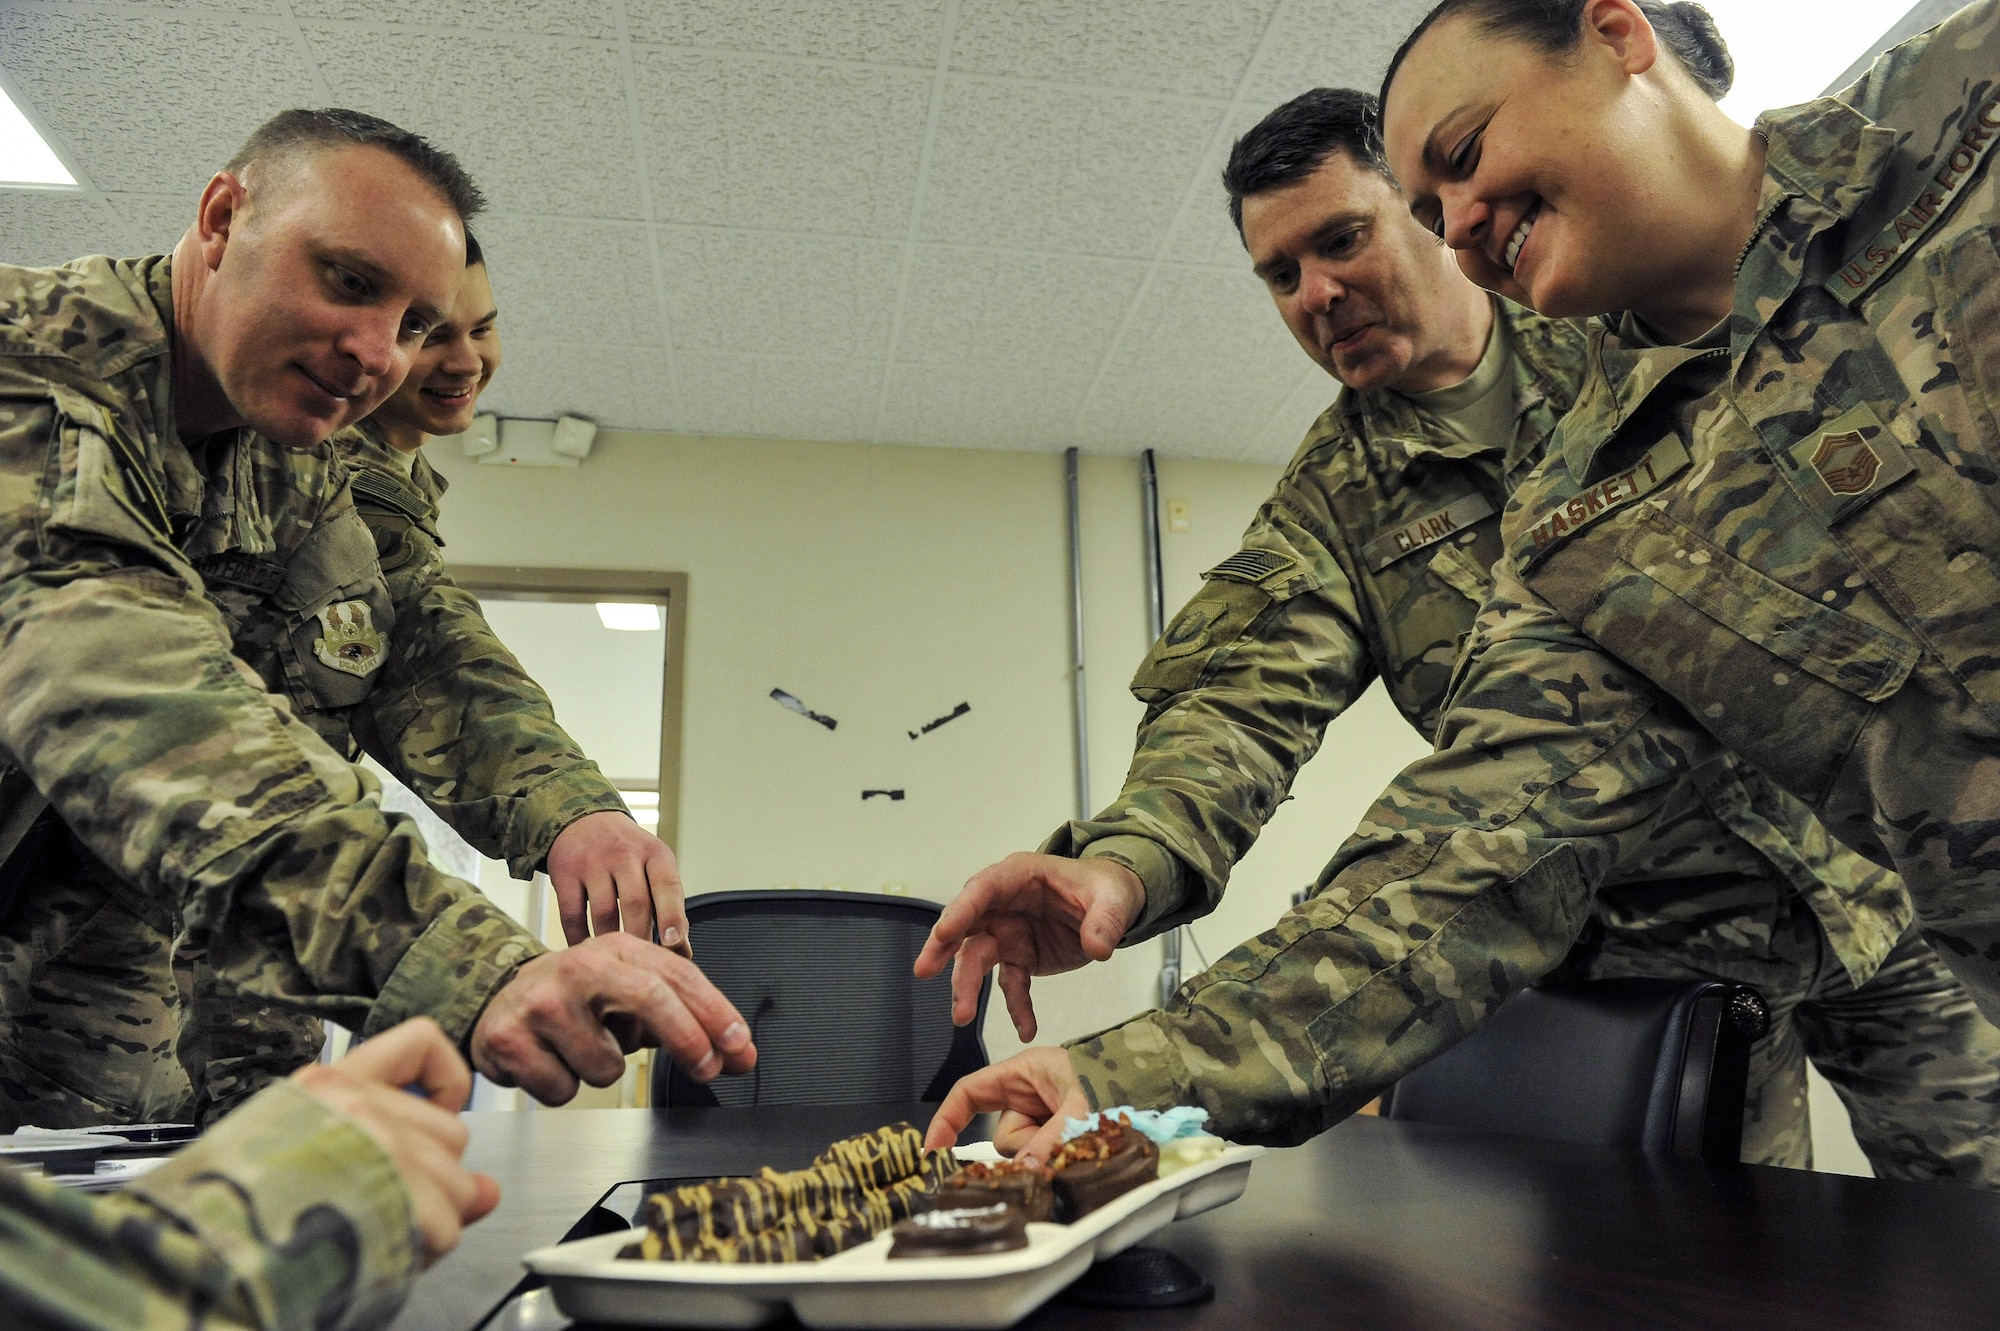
point(1372, 557)
point(1787, 545)
point(454, 715)
point(285, 1216)
point(179, 628)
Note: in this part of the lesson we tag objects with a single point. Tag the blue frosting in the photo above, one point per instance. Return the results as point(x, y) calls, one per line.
point(1162, 1125)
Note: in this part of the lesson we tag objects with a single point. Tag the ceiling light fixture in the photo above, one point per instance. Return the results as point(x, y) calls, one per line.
point(24, 158)
point(629, 617)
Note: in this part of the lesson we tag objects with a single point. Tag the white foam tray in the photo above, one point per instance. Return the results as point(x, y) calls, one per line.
point(862, 1287)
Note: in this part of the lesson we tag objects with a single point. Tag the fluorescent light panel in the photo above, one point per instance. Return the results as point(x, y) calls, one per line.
point(629, 617)
point(24, 158)
point(1788, 51)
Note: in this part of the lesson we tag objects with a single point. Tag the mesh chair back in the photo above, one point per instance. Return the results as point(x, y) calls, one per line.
point(1655, 1065)
point(823, 980)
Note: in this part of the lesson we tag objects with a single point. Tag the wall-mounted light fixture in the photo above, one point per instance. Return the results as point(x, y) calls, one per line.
point(526, 443)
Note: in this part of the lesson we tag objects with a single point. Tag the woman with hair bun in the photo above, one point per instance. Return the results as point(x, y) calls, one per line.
point(1770, 523)
point(1772, 515)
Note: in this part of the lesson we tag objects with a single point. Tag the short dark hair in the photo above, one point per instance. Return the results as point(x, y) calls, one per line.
point(291, 134)
point(1296, 139)
point(1555, 27)
point(473, 254)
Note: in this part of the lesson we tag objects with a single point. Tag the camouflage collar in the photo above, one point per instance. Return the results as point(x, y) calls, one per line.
point(1823, 163)
point(1397, 436)
point(416, 492)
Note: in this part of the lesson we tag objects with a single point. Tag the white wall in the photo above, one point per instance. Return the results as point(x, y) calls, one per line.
point(883, 586)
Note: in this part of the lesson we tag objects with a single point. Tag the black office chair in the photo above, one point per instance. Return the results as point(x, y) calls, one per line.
point(823, 979)
point(1657, 1065)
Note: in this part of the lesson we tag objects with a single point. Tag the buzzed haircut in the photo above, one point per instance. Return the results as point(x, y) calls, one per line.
point(291, 135)
point(473, 254)
point(1296, 139)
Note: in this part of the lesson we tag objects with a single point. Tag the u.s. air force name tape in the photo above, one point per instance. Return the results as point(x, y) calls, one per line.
point(1663, 461)
point(1429, 529)
point(1873, 261)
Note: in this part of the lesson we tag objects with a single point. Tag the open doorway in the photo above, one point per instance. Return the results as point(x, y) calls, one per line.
point(608, 646)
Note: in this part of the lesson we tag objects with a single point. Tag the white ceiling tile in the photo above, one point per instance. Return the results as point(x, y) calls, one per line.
point(982, 406)
point(1279, 437)
point(903, 32)
point(743, 141)
point(777, 293)
point(1208, 325)
point(154, 221)
point(1055, 168)
point(543, 126)
point(623, 388)
point(43, 228)
point(779, 397)
point(555, 18)
point(1330, 44)
point(566, 279)
point(981, 310)
point(1203, 233)
point(1153, 45)
point(785, 141)
point(170, 71)
point(1179, 418)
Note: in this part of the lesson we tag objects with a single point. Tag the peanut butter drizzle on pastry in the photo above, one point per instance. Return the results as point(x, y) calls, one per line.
point(852, 1190)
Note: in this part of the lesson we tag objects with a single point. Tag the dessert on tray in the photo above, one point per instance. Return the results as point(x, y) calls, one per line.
point(960, 1232)
point(1101, 1165)
point(853, 1190)
point(1180, 1133)
point(1015, 1183)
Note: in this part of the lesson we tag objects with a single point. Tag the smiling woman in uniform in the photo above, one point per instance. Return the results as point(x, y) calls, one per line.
point(1775, 499)
point(450, 372)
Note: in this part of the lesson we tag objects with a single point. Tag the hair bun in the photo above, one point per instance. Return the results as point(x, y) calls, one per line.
point(1700, 46)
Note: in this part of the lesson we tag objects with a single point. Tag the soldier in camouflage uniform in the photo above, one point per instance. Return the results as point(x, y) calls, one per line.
point(153, 591)
point(313, 1207)
point(1779, 538)
point(453, 715)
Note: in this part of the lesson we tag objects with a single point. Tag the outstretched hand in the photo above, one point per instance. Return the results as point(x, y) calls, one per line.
point(610, 872)
point(1034, 1091)
point(575, 1015)
point(1029, 915)
point(423, 1136)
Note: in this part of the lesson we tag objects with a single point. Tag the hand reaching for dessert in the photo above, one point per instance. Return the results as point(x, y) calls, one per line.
point(1034, 1091)
point(423, 1135)
point(1029, 915)
point(574, 1015)
point(607, 871)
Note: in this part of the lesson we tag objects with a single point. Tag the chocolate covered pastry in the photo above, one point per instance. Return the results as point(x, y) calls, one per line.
point(1029, 1188)
point(1099, 1166)
point(853, 1190)
point(961, 1232)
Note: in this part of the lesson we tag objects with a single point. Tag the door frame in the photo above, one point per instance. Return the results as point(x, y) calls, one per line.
point(587, 585)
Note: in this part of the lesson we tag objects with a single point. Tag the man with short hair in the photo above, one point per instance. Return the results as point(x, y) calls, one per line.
point(165, 482)
point(1372, 558)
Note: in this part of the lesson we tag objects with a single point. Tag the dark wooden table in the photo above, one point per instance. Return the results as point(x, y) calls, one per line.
point(1373, 1224)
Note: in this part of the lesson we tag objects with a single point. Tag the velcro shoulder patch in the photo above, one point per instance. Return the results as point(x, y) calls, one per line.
point(1560, 518)
point(1427, 530)
point(1251, 566)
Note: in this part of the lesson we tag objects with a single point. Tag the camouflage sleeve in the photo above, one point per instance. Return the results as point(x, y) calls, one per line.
point(459, 722)
point(285, 1216)
point(1239, 691)
point(123, 703)
point(1468, 879)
